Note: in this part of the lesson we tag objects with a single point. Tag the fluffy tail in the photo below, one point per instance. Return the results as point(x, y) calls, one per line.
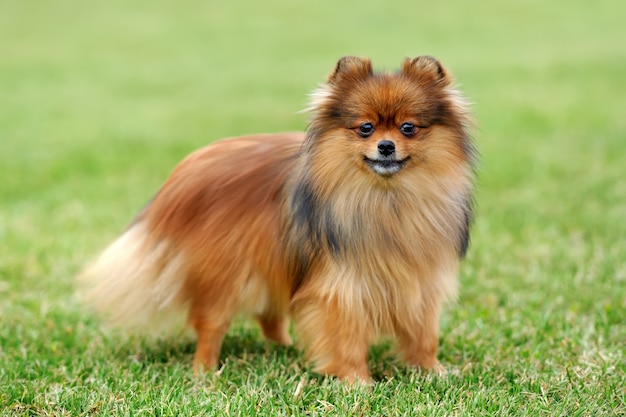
point(136, 282)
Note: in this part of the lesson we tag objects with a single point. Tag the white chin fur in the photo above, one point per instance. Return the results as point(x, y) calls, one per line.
point(385, 168)
point(386, 171)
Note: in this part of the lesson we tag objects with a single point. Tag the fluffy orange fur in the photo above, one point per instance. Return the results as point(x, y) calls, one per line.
point(354, 229)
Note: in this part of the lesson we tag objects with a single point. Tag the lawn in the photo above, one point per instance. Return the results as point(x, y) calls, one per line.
point(99, 100)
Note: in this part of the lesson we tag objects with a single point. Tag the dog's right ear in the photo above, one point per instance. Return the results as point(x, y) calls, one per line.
point(426, 68)
point(351, 68)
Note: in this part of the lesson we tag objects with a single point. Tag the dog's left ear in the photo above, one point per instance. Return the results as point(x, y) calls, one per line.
point(351, 68)
point(426, 67)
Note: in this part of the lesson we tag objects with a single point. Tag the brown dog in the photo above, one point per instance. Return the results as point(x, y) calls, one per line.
point(354, 228)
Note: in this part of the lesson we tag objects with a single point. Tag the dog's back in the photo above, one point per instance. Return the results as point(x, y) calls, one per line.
point(210, 237)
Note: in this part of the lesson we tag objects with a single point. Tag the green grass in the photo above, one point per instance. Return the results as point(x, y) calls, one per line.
point(99, 100)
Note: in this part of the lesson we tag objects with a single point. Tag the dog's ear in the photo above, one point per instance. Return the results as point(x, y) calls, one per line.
point(426, 68)
point(351, 68)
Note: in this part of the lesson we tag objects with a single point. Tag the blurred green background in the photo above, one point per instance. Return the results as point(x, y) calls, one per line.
point(99, 100)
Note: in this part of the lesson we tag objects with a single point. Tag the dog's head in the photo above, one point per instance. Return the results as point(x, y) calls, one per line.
point(388, 124)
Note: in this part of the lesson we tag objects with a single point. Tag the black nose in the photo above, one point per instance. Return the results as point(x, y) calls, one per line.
point(386, 147)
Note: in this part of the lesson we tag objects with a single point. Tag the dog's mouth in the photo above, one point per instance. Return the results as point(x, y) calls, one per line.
point(386, 167)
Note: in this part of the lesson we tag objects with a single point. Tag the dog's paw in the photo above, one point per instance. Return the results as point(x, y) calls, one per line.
point(438, 369)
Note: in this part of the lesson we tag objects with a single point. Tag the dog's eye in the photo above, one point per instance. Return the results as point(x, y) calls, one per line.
point(365, 130)
point(408, 129)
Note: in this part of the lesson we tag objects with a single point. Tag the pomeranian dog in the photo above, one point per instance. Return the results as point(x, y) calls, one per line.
point(354, 229)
